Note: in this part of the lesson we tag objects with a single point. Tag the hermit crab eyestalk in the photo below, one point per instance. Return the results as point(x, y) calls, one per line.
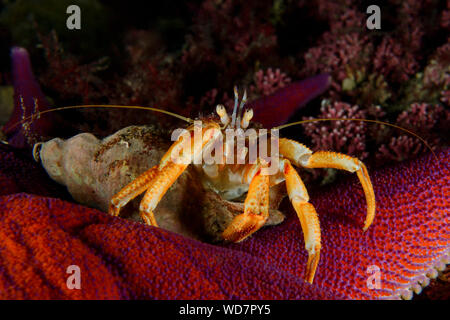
point(248, 115)
point(236, 102)
point(222, 112)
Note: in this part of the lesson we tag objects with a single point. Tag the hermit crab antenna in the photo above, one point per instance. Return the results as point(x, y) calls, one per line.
point(243, 101)
point(236, 101)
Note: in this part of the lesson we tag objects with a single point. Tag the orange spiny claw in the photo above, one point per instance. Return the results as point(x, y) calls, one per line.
point(311, 265)
point(243, 226)
point(256, 210)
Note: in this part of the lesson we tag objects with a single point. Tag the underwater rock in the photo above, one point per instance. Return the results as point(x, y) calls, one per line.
point(93, 170)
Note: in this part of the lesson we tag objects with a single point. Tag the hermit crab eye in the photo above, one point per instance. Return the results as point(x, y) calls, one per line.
point(248, 115)
point(224, 118)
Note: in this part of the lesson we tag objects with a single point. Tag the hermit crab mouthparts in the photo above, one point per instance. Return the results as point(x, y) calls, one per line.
point(237, 119)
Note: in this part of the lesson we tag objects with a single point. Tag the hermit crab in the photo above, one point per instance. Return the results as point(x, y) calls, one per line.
point(223, 149)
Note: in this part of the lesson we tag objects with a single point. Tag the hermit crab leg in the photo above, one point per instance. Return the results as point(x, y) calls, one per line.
point(308, 218)
point(141, 183)
point(325, 159)
point(301, 156)
point(168, 172)
point(256, 210)
point(131, 191)
point(159, 185)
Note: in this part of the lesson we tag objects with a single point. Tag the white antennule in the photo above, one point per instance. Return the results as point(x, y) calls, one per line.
point(248, 115)
point(243, 101)
point(222, 112)
point(236, 101)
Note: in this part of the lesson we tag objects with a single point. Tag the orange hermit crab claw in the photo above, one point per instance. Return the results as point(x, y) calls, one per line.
point(256, 210)
point(243, 226)
point(311, 265)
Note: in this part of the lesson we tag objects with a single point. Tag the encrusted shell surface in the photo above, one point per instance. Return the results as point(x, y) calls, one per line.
point(93, 170)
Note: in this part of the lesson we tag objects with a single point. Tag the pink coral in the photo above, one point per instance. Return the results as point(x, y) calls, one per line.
point(343, 136)
point(273, 99)
point(241, 29)
point(399, 54)
point(356, 56)
point(421, 116)
point(342, 49)
point(394, 61)
point(439, 72)
point(265, 83)
point(341, 14)
point(269, 81)
point(445, 18)
point(336, 54)
point(422, 119)
point(445, 97)
point(400, 148)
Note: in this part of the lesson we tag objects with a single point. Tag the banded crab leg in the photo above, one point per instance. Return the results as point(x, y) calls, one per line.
point(131, 191)
point(159, 178)
point(159, 186)
point(256, 210)
point(308, 218)
point(169, 171)
point(301, 156)
point(140, 184)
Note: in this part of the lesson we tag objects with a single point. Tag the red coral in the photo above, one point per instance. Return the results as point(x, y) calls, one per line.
point(150, 80)
point(67, 77)
point(226, 38)
point(445, 18)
